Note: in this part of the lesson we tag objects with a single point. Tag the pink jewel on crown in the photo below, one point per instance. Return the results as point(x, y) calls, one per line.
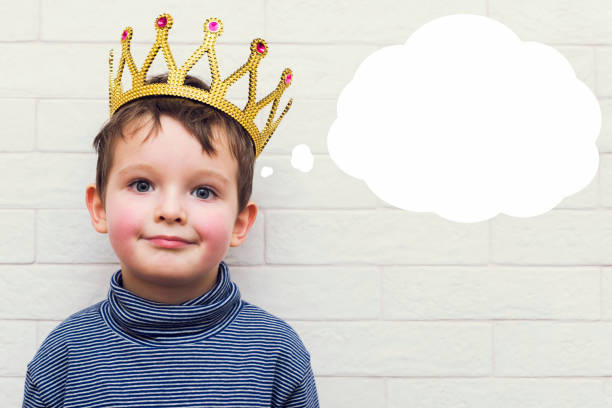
point(162, 21)
point(213, 26)
point(124, 35)
point(288, 79)
point(260, 48)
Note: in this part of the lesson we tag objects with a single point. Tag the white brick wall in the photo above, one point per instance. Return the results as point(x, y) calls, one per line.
point(398, 309)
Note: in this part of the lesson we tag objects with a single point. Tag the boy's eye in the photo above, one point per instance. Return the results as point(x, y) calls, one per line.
point(144, 183)
point(139, 183)
point(206, 190)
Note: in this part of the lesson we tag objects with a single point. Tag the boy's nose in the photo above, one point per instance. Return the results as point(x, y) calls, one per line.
point(170, 211)
point(177, 219)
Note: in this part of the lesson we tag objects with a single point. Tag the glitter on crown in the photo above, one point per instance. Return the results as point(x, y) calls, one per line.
point(213, 27)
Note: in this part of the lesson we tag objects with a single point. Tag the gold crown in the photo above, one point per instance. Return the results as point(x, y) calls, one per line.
point(216, 95)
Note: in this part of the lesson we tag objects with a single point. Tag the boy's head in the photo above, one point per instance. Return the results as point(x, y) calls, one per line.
point(183, 142)
point(198, 118)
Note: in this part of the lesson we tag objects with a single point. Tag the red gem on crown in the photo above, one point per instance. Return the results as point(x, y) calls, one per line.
point(213, 26)
point(162, 21)
point(124, 35)
point(261, 47)
point(288, 79)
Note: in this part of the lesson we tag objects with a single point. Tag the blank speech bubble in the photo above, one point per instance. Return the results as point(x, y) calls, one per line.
point(467, 121)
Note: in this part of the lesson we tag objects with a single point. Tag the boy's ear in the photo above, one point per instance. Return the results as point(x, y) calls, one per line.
point(243, 224)
point(96, 209)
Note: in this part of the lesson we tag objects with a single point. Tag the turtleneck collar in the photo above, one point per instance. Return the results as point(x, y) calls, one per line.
point(153, 323)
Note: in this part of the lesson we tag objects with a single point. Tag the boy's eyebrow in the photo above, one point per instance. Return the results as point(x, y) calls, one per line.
point(145, 166)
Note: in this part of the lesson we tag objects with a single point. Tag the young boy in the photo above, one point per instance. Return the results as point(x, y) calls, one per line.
point(173, 183)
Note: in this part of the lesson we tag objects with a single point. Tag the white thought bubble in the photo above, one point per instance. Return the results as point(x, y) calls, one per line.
point(467, 121)
point(301, 158)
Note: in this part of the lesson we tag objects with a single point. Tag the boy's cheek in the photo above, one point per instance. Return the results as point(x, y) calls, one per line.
point(125, 223)
point(213, 227)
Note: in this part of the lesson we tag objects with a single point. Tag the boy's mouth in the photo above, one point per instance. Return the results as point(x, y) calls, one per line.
point(166, 241)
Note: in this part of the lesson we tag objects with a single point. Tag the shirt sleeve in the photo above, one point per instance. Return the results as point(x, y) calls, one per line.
point(304, 395)
point(31, 395)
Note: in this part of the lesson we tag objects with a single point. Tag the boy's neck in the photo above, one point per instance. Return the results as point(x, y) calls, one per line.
point(160, 293)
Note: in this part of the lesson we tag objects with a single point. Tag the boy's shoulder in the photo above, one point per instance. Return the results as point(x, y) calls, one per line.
point(72, 323)
point(270, 329)
point(55, 346)
point(77, 319)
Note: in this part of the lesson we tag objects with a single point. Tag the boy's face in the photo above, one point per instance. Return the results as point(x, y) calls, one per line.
point(176, 196)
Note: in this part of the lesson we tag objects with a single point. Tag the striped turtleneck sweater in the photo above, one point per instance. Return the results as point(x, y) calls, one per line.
point(216, 350)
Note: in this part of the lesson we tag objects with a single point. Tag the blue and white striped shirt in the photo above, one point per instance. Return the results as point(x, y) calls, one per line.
point(216, 350)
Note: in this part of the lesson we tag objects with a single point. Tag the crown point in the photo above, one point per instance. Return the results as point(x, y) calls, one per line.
point(162, 21)
point(213, 25)
point(259, 47)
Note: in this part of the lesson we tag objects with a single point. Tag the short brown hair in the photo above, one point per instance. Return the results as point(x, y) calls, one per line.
point(200, 119)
